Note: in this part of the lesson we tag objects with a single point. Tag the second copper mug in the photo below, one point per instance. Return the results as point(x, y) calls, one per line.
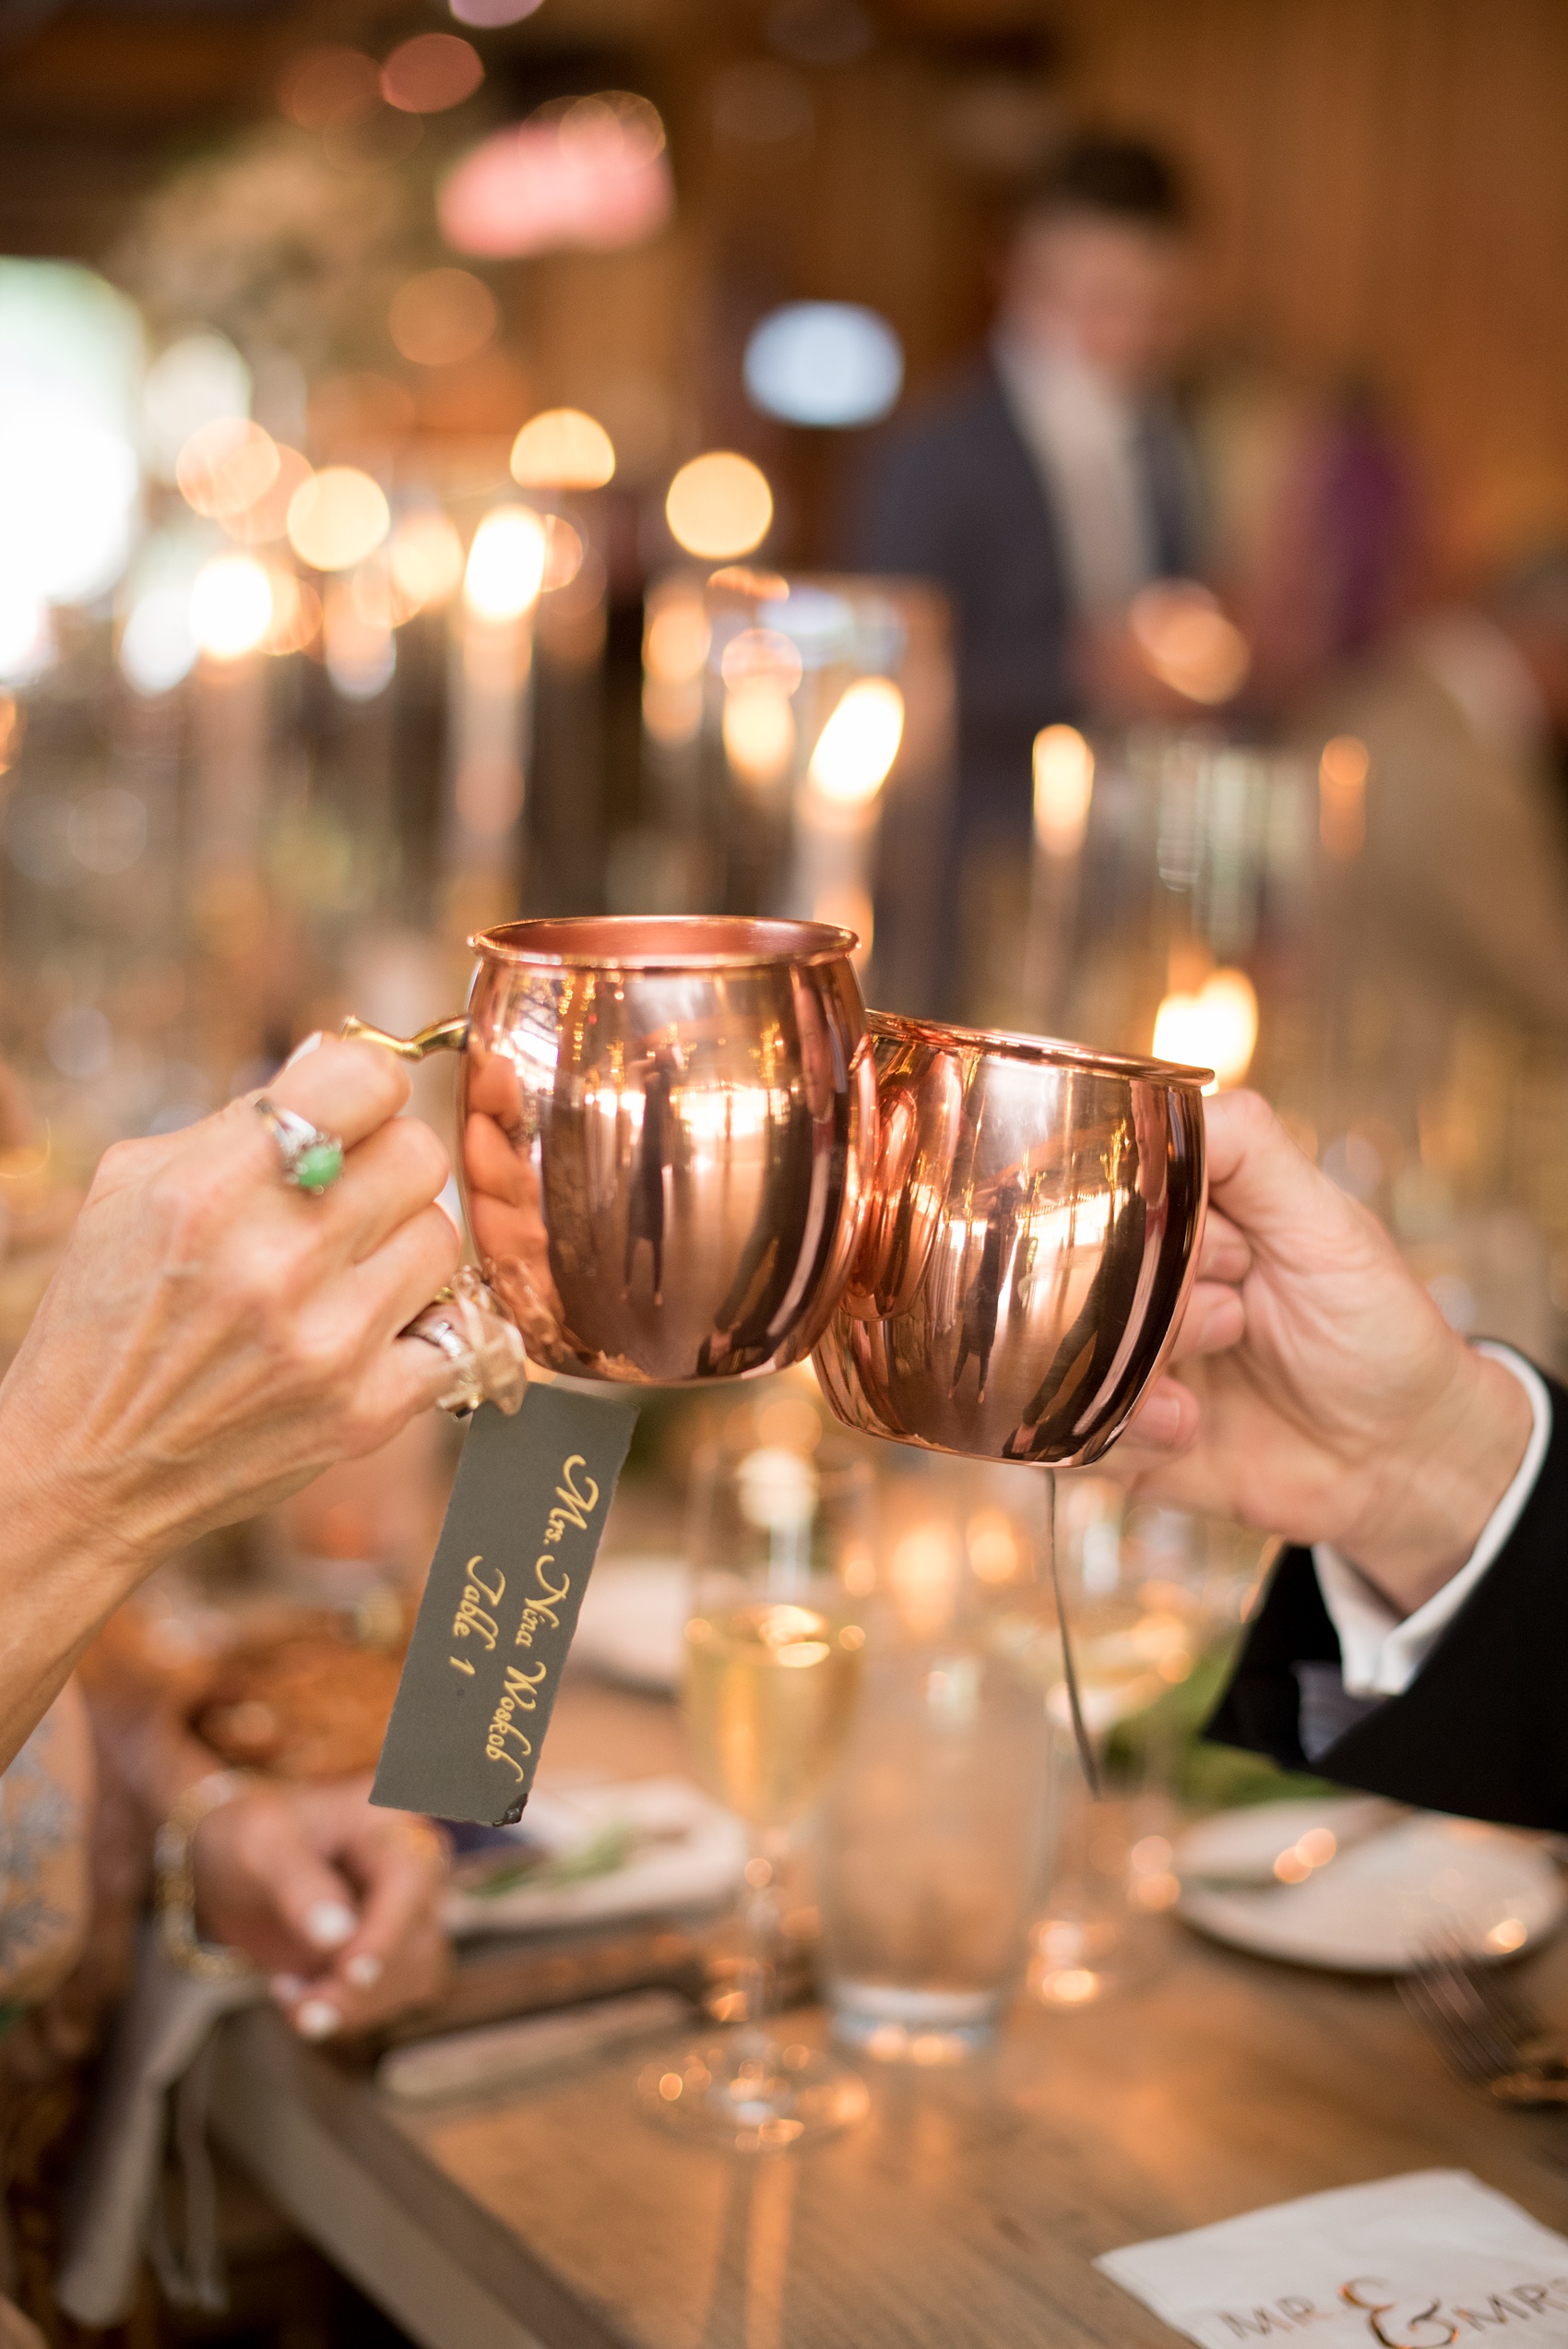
point(1030, 1243)
point(667, 1128)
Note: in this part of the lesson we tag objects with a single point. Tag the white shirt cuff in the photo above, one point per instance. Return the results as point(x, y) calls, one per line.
point(1381, 1652)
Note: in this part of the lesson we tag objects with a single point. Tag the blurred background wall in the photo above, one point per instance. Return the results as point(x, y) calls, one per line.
point(1383, 183)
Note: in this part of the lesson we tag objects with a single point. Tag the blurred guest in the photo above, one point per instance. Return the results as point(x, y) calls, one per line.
point(1314, 521)
point(1055, 481)
point(1444, 793)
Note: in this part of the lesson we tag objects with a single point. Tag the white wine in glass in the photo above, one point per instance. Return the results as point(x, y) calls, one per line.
point(780, 1539)
point(769, 1691)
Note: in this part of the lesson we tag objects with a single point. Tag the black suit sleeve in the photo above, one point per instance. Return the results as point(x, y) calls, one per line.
point(1482, 1730)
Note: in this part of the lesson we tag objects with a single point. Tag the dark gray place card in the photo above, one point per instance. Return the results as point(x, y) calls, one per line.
point(483, 1667)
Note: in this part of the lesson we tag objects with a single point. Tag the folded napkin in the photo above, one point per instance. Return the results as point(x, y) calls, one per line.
point(152, 2095)
point(1425, 2259)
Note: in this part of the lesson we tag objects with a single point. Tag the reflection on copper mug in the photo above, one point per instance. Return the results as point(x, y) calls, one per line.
point(1030, 1243)
point(667, 1128)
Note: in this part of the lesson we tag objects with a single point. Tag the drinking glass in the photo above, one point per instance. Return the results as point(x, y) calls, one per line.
point(934, 1834)
point(781, 1544)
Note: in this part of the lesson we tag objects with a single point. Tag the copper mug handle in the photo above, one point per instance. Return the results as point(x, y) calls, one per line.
point(467, 1321)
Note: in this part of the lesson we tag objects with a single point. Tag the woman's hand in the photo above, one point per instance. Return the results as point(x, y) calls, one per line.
point(211, 1340)
point(1319, 1392)
point(338, 1902)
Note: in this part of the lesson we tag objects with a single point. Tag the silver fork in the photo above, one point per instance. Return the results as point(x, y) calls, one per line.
point(1485, 2030)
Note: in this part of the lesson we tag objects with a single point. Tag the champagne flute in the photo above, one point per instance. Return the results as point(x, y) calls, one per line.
point(780, 1542)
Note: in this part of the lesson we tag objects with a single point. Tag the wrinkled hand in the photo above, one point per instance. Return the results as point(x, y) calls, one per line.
point(339, 1903)
point(215, 1337)
point(1320, 1394)
point(210, 1340)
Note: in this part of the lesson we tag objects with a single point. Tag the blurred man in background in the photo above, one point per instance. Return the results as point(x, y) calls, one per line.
point(1055, 481)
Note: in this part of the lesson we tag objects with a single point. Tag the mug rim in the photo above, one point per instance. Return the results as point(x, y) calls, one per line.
point(663, 942)
point(1045, 1052)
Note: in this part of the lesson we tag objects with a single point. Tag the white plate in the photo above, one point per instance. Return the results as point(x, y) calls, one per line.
point(633, 1625)
point(1383, 1902)
point(1243, 1844)
point(689, 1854)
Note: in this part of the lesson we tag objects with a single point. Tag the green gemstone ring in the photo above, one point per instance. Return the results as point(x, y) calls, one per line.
point(312, 1160)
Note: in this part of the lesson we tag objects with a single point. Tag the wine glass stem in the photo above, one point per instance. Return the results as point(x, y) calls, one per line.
point(759, 1961)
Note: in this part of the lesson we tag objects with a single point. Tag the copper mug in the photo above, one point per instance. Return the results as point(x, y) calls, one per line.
point(1030, 1243)
point(667, 1132)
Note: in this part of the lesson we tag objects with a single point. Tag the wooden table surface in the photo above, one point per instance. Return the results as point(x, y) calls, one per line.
point(964, 2214)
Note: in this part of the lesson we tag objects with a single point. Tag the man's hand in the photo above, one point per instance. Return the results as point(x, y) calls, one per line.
point(338, 1902)
point(1319, 1392)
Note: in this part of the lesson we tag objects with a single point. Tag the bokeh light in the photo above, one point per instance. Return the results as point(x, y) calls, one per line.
point(719, 505)
point(267, 518)
point(71, 361)
point(759, 731)
point(672, 713)
point(829, 363)
point(67, 498)
point(443, 316)
point(338, 518)
point(586, 173)
point(194, 382)
point(27, 640)
point(1217, 1028)
point(158, 646)
point(677, 634)
point(856, 749)
point(379, 595)
point(296, 613)
point(505, 567)
point(1063, 773)
point(563, 554)
point(426, 557)
point(1185, 640)
point(230, 606)
point(762, 656)
point(488, 13)
point(328, 84)
point(753, 586)
point(563, 448)
point(431, 72)
point(361, 653)
point(226, 466)
point(1342, 796)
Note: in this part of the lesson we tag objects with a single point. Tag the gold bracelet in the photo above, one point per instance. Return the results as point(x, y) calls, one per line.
point(174, 1891)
